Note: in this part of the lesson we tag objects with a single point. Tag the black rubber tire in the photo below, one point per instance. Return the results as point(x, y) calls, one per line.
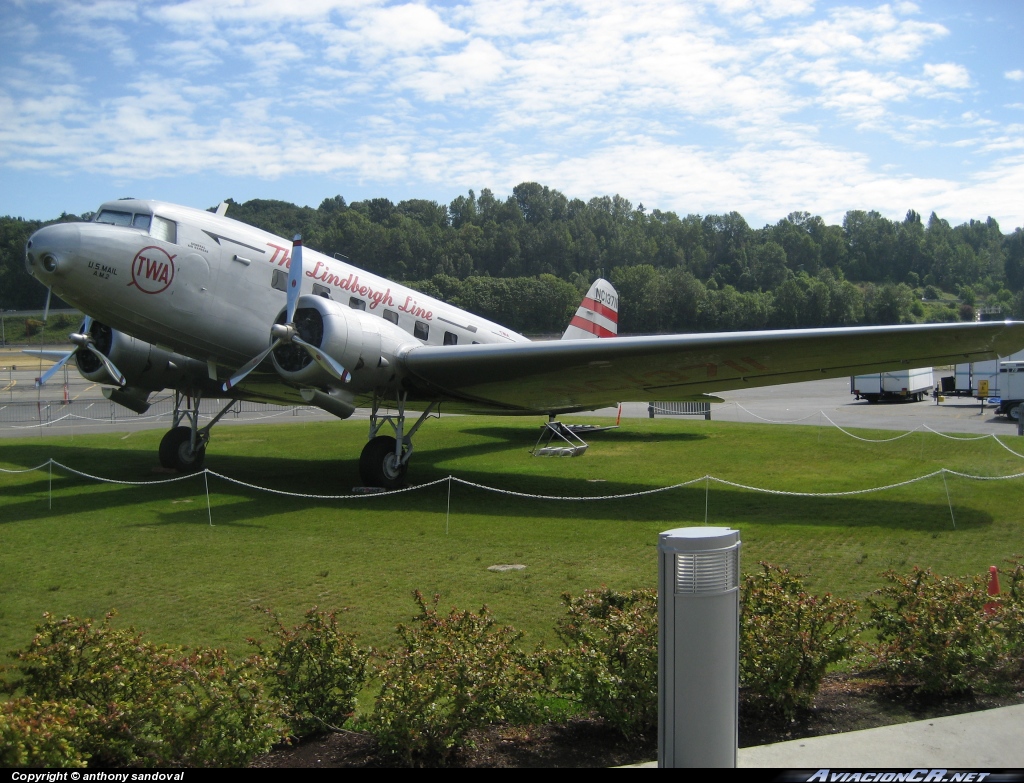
point(176, 451)
point(378, 465)
point(1015, 411)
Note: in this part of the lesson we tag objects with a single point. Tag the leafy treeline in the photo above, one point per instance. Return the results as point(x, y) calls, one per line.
point(19, 291)
point(673, 273)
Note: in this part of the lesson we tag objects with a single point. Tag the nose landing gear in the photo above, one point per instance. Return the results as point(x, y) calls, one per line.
point(385, 459)
point(183, 448)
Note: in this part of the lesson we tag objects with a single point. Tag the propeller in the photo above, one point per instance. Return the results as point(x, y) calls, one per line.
point(287, 333)
point(84, 341)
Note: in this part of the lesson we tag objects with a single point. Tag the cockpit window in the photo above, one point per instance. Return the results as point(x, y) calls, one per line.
point(114, 218)
point(164, 229)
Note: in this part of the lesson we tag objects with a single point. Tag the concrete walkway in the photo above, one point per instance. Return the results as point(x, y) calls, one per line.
point(988, 739)
point(984, 739)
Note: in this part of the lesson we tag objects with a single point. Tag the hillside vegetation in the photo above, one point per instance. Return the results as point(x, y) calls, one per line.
point(525, 260)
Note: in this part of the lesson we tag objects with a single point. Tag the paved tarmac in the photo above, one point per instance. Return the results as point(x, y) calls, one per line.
point(817, 403)
point(988, 739)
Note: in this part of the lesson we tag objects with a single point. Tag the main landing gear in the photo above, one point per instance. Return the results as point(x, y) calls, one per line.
point(183, 448)
point(385, 459)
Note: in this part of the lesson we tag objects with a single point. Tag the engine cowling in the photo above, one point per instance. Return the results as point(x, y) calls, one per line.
point(363, 343)
point(144, 365)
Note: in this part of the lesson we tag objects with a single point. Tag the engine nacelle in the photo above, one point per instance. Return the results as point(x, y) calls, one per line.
point(145, 366)
point(362, 343)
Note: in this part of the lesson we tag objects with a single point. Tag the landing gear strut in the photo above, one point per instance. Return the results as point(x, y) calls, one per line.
point(183, 448)
point(385, 459)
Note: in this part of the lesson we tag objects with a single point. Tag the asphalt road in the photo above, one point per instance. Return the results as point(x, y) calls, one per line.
point(816, 403)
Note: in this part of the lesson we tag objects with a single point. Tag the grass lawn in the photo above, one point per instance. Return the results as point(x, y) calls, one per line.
point(151, 553)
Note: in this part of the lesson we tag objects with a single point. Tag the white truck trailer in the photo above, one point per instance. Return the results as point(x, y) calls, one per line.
point(1011, 389)
point(906, 385)
point(969, 379)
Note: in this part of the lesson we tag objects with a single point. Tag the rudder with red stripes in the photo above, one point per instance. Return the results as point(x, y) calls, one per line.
point(597, 315)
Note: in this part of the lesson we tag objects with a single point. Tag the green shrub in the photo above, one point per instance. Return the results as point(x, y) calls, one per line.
point(142, 704)
point(47, 734)
point(315, 670)
point(1009, 619)
point(934, 632)
point(788, 638)
point(450, 673)
point(610, 662)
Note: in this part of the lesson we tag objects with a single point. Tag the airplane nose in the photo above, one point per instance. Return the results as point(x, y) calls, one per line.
point(51, 249)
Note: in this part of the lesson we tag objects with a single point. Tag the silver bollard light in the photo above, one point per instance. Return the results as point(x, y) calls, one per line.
point(698, 647)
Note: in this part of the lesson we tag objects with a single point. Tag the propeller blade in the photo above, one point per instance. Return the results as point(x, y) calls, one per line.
point(294, 278)
point(111, 369)
point(324, 360)
point(46, 309)
point(249, 366)
point(41, 381)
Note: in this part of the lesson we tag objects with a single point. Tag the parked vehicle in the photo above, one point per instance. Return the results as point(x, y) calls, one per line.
point(897, 385)
point(1011, 387)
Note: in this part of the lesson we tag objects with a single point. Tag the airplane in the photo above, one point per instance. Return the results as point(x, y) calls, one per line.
point(191, 300)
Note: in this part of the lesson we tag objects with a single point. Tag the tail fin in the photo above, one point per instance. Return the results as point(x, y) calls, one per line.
point(597, 315)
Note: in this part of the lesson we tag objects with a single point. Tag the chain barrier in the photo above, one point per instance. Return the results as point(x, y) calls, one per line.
point(867, 440)
point(515, 493)
point(309, 496)
point(777, 421)
point(203, 416)
point(532, 496)
point(1014, 453)
point(956, 437)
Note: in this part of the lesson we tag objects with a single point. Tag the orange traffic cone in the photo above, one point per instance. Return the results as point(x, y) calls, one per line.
point(993, 589)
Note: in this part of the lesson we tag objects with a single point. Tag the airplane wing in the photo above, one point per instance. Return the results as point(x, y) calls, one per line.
point(564, 376)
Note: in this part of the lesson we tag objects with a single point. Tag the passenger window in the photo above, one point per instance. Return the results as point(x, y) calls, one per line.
point(141, 221)
point(391, 315)
point(164, 229)
point(321, 290)
point(356, 303)
point(420, 331)
point(279, 280)
point(451, 338)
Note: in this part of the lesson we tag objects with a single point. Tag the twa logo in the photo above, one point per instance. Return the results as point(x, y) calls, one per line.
point(152, 270)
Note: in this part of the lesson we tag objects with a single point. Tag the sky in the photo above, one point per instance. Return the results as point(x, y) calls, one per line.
point(704, 106)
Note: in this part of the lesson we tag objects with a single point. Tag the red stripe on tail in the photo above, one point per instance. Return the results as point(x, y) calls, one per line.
point(601, 309)
point(590, 326)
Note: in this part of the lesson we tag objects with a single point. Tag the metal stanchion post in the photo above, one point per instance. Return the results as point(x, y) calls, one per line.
point(698, 647)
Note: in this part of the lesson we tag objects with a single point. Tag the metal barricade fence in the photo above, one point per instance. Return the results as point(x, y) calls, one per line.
point(49, 412)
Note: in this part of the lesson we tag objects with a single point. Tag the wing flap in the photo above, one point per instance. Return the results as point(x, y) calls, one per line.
point(570, 375)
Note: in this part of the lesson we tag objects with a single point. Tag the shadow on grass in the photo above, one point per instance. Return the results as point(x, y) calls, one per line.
point(242, 506)
point(528, 436)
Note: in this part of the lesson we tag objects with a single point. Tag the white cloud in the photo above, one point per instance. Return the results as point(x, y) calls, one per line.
point(705, 106)
point(468, 71)
point(948, 75)
point(1015, 76)
point(192, 13)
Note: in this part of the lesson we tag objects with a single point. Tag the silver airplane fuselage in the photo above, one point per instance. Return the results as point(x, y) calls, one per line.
point(208, 287)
